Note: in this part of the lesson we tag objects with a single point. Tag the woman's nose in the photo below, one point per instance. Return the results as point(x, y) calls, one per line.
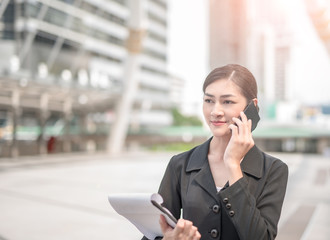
point(217, 110)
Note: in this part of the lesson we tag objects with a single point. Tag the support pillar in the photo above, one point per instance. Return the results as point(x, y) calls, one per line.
point(67, 110)
point(3, 7)
point(82, 132)
point(118, 132)
point(23, 52)
point(16, 113)
point(43, 115)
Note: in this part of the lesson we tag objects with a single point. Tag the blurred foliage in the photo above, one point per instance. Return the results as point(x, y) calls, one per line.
point(173, 147)
point(181, 120)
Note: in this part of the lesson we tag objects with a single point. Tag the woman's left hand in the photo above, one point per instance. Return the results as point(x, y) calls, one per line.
point(239, 144)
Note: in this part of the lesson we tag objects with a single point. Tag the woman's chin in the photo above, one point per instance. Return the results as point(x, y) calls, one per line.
point(220, 132)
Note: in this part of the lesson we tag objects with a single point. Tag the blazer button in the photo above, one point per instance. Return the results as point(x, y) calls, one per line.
point(231, 213)
point(214, 233)
point(225, 200)
point(228, 206)
point(216, 208)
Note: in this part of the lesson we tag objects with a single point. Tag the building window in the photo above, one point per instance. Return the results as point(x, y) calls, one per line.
point(157, 19)
point(32, 10)
point(157, 37)
point(152, 70)
point(121, 2)
point(160, 3)
point(154, 54)
point(71, 2)
point(88, 7)
point(7, 31)
point(114, 18)
point(45, 38)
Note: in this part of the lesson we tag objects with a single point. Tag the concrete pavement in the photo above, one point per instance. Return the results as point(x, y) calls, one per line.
point(306, 208)
point(65, 196)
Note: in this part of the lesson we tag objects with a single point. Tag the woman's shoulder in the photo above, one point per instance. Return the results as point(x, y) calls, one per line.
point(184, 157)
point(274, 161)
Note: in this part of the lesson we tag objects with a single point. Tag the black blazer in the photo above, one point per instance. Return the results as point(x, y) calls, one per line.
point(248, 210)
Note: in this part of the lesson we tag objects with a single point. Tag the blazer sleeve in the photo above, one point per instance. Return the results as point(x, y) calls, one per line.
point(257, 218)
point(170, 187)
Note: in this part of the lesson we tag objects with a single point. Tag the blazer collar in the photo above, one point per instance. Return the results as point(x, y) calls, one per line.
point(198, 156)
point(252, 164)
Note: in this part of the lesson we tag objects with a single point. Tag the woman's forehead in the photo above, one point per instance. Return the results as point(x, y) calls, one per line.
point(223, 86)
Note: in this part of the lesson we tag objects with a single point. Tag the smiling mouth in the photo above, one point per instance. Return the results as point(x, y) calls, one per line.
point(218, 123)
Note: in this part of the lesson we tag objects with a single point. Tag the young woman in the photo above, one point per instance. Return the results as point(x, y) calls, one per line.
point(226, 188)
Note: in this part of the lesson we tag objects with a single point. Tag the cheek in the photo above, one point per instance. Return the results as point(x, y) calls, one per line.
point(233, 112)
point(206, 111)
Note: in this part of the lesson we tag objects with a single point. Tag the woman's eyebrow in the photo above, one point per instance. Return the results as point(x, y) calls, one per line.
point(209, 95)
point(227, 96)
point(222, 96)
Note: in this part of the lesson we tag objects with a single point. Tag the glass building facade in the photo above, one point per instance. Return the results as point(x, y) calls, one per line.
point(63, 62)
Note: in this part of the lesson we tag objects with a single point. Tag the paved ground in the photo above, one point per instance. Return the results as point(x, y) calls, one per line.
point(306, 208)
point(65, 197)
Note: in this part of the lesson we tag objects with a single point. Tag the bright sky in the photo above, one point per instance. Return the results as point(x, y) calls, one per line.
point(188, 46)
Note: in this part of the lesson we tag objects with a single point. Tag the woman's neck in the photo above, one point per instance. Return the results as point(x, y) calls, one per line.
point(218, 146)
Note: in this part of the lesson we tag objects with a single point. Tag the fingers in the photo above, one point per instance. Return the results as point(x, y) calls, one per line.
point(179, 228)
point(243, 125)
point(241, 132)
point(197, 236)
point(240, 143)
point(184, 230)
point(247, 122)
point(163, 224)
point(189, 230)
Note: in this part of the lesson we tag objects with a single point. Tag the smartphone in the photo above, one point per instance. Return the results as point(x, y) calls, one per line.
point(166, 212)
point(251, 112)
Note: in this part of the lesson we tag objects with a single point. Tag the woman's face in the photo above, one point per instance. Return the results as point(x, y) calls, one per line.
point(222, 101)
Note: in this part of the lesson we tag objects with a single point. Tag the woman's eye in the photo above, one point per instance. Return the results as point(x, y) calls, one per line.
point(228, 102)
point(208, 100)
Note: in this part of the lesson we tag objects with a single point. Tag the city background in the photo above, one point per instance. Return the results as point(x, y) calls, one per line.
point(92, 89)
point(81, 76)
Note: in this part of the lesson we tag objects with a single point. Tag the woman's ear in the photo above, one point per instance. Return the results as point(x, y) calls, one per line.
point(255, 101)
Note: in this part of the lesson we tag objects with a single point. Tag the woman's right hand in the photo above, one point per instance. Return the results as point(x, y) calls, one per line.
point(184, 230)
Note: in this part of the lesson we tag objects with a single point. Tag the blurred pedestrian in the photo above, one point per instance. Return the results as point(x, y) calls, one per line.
point(226, 188)
point(51, 144)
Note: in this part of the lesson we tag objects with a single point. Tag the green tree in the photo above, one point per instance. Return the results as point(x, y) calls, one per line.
point(181, 120)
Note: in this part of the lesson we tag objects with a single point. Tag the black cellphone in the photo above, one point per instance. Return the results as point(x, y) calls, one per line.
point(251, 112)
point(164, 210)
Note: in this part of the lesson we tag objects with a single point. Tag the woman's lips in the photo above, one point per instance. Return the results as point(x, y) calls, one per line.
point(218, 123)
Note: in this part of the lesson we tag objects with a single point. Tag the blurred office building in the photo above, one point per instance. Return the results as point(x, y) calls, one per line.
point(287, 54)
point(257, 35)
point(61, 72)
point(319, 12)
point(176, 94)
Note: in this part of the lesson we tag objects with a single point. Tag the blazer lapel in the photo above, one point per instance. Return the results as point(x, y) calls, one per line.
point(198, 162)
point(205, 179)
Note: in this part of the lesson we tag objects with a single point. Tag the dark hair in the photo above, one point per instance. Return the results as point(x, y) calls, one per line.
point(240, 75)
